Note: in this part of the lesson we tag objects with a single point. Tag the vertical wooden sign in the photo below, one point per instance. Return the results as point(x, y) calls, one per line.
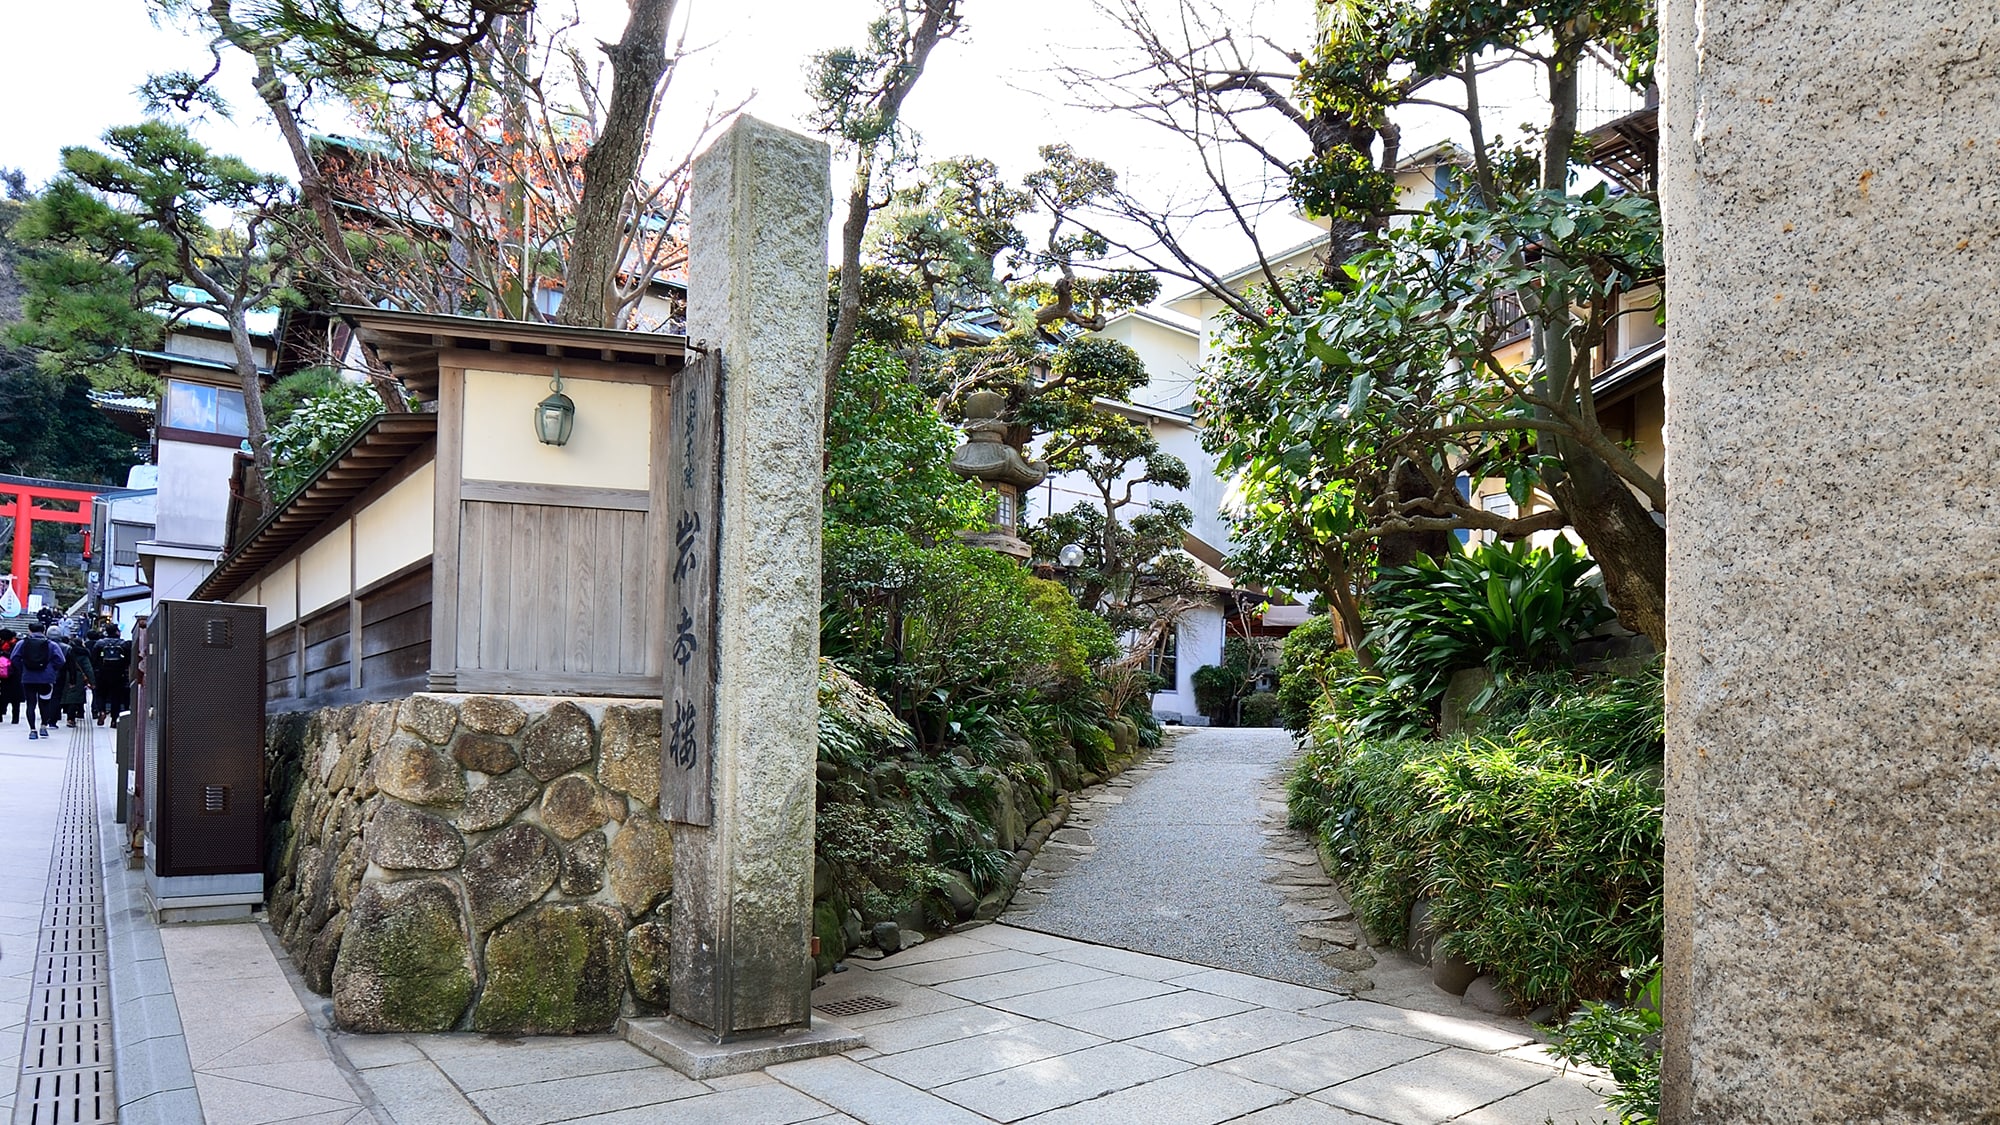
point(694, 517)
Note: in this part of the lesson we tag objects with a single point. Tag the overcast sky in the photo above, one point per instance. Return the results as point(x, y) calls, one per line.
point(990, 92)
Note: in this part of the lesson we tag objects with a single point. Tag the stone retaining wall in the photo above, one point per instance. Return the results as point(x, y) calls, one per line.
point(473, 862)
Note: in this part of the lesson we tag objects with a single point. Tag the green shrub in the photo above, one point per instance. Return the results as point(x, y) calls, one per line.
point(1624, 1041)
point(1260, 710)
point(1541, 855)
point(1314, 660)
point(1498, 606)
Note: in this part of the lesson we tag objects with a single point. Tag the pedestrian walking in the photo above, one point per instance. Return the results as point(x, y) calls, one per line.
point(112, 655)
point(78, 678)
point(10, 676)
point(41, 663)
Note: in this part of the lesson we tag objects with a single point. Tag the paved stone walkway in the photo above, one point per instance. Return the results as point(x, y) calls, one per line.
point(1187, 856)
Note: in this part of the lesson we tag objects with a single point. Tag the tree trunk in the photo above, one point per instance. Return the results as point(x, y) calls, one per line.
point(638, 63)
point(313, 189)
point(1629, 546)
point(847, 314)
point(258, 496)
point(847, 317)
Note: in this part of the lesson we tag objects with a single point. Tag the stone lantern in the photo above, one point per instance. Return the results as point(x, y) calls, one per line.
point(987, 458)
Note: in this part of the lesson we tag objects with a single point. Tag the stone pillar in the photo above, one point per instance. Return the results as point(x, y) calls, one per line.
point(742, 964)
point(1831, 189)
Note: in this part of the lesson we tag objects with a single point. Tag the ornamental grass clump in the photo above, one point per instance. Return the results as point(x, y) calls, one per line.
point(1540, 851)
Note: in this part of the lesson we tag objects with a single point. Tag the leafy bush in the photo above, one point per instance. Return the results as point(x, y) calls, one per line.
point(1260, 710)
point(889, 455)
point(1625, 1042)
point(1541, 855)
point(1218, 687)
point(321, 418)
point(1499, 605)
point(1314, 659)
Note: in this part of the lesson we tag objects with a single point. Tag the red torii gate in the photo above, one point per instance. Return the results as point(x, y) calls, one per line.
point(27, 500)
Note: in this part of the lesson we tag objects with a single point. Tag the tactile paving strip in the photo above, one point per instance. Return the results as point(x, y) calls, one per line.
point(66, 1053)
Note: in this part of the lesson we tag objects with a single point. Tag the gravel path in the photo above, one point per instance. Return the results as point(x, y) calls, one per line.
point(1187, 856)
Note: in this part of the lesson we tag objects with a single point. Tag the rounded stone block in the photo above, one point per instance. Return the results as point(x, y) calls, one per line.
point(642, 864)
point(490, 715)
point(429, 718)
point(493, 804)
point(648, 958)
point(405, 839)
point(573, 805)
point(555, 970)
point(485, 753)
point(629, 752)
point(405, 961)
point(412, 770)
point(561, 741)
point(583, 866)
point(511, 869)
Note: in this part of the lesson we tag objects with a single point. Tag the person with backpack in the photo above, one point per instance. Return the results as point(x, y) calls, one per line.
point(113, 656)
point(78, 678)
point(41, 661)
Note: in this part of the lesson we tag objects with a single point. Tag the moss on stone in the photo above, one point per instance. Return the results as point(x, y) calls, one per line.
point(405, 962)
point(555, 970)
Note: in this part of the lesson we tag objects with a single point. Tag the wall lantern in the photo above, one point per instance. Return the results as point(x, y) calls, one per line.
point(555, 416)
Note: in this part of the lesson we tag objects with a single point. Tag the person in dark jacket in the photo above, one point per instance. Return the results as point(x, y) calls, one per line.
point(78, 677)
point(112, 655)
point(10, 684)
point(41, 662)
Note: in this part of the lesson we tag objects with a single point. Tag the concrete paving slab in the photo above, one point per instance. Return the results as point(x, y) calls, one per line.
point(938, 1027)
point(876, 1098)
point(1458, 1032)
point(1192, 1097)
point(565, 1099)
point(1153, 1014)
point(1057, 1003)
point(980, 964)
point(930, 1067)
point(1324, 1060)
point(1038, 1087)
point(1020, 982)
point(1435, 1088)
point(1210, 1042)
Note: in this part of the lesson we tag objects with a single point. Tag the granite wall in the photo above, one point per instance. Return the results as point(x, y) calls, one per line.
point(473, 862)
point(1831, 191)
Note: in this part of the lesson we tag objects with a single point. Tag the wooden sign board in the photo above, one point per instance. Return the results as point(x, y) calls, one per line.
point(694, 518)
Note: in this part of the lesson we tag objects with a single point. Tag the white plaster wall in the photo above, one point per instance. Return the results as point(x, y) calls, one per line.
point(279, 595)
point(192, 505)
point(611, 446)
point(177, 578)
point(1171, 355)
point(395, 530)
point(326, 569)
point(1200, 644)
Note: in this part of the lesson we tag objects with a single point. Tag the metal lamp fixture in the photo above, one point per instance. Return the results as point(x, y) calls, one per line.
point(555, 416)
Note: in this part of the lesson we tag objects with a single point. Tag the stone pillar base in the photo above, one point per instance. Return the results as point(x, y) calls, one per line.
point(695, 1053)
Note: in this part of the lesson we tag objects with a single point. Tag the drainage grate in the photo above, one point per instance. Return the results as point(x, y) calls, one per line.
point(66, 1050)
point(855, 1005)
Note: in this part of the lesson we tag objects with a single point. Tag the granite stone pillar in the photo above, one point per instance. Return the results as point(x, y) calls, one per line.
point(1831, 190)
point(742, 963)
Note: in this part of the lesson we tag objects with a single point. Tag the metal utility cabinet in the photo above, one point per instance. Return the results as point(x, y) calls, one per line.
point(204, 760)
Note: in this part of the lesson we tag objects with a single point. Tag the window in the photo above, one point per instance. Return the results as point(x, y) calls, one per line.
point(209, 410)
point(1500, 504)
point(1003, 514)
point(1165, 662)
